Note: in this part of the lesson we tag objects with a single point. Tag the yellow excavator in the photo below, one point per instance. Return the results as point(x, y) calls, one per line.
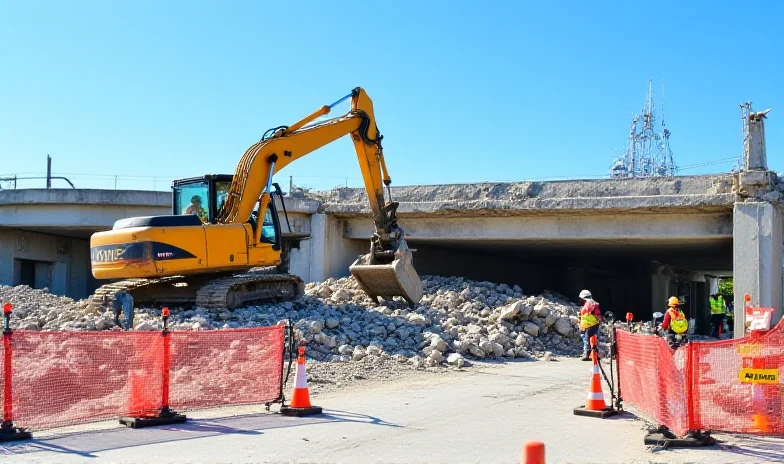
point(222, 245)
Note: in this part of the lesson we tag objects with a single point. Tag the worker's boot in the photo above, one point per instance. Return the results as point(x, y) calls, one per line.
point(586, 357)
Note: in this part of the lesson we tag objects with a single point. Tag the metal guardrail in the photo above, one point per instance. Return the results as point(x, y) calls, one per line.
point(128, 182)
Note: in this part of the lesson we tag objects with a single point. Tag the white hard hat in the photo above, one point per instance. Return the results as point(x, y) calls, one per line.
point(585, 294)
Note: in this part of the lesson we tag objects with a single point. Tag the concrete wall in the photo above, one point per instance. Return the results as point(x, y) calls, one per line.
point(66, 259)
point(326, 253)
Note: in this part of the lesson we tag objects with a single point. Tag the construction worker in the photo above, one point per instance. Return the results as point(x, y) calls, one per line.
point(197, 209)
point(675, 321)
point(590, 317)
point(123, 302)
point(718, 310)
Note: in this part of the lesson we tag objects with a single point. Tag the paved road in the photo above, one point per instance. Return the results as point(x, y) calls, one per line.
point(481, 415)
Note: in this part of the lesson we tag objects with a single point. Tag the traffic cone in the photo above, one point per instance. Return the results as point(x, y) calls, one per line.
point(760, 401)
point(595, 401)
point(300, 398)
point(533, 453)
point(595, 406)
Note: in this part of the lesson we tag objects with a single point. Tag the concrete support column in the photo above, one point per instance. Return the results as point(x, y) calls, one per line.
point(659, 291)
point(299, 260)
point(327, 253)
point(701, 319)
point(317, 261)
point(757, 258)
point(713, 285)
point(756, 156)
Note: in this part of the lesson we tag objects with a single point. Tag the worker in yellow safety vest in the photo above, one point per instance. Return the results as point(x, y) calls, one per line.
point(675, 321)
point(590, 317)
point(718, 311)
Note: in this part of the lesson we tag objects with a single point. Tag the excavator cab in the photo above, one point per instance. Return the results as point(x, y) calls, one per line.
point(206, 195)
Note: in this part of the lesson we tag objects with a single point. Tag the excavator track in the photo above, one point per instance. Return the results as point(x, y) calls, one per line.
point(142, 290)
point(240, 290)
point(223, 291)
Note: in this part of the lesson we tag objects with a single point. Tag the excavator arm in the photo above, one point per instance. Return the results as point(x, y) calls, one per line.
point(387, 270)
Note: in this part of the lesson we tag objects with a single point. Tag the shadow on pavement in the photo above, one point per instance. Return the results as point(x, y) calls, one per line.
point(769, 449)
point(86, 443)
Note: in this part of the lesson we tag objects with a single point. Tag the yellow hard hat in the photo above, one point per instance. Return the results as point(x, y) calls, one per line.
point(673, 301)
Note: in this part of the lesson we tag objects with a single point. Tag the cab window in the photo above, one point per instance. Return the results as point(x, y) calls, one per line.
point(221, 192)
point(194, 199)
point(268, 228)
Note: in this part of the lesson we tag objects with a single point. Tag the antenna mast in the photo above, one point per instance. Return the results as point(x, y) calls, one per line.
point(648, 152)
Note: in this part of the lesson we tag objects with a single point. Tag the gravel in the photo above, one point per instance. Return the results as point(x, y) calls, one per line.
point(457, 322)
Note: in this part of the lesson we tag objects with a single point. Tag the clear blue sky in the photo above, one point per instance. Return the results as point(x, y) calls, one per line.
point(463, 91)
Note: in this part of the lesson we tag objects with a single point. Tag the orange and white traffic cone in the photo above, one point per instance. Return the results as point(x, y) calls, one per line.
point(595, 400)
point(300, 398)
point(595, 406)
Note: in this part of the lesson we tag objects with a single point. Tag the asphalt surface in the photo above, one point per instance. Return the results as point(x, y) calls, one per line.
point(478, 415)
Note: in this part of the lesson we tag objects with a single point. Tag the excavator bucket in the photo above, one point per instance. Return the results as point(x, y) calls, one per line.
point(398, 278)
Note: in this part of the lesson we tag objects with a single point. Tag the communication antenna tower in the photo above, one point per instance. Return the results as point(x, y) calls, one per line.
point(648, 152)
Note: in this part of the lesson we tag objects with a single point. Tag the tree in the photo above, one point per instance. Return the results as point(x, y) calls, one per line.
point(725, 289)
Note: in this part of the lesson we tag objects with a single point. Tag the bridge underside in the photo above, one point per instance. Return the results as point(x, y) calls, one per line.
point(630, 262)
point(625, 274)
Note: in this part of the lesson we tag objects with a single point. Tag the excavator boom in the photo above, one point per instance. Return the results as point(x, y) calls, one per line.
point(387, 270)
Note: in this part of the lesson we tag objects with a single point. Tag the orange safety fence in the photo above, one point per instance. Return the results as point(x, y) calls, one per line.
point(736, 384)
point(727, 385)
point(68, 378)
point(652, 378)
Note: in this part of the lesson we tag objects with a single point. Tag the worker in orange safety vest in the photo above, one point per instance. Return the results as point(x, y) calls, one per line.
point(590, 317)
point(675, 321)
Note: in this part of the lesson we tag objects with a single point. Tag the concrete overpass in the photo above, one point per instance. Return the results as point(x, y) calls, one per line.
point(633, 242)
point(44, 233)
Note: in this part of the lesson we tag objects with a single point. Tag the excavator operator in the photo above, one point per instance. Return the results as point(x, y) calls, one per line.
point(196, 208)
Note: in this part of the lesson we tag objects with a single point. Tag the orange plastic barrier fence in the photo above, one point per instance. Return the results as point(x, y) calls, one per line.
point(69, 378)
point(653, 379)
point(737, 384)
point(728, 385)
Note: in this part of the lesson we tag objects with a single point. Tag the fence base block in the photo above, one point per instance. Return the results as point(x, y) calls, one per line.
point(298, 412)
point(10, 433)
point(665, 438)
point(601, 414)
point(165, 417)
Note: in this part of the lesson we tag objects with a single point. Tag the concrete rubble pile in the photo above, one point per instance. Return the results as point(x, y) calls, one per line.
point(457, 320)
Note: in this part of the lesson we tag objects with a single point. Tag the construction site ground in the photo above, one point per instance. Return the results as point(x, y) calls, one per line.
point(480, 414)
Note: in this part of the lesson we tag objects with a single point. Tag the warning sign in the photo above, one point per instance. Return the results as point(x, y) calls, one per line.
point(759, 376)
point(758, 318)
